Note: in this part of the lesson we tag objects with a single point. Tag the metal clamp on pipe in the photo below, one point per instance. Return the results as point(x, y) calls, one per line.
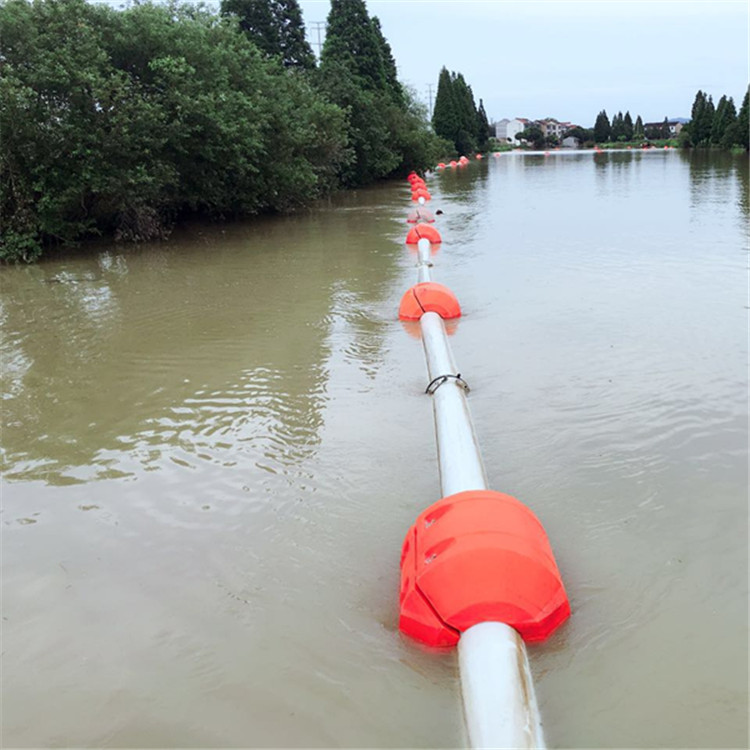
point(435, 383)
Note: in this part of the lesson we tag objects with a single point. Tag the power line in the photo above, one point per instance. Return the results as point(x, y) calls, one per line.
point(429, 94)
point(318, 26)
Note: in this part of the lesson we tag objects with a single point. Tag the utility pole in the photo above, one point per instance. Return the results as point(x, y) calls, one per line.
point(429, 94)
point(318, 26)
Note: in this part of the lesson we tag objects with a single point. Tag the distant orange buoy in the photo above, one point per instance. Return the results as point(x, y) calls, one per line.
point(421, 214)
point(478, 156)
point(453, 164)
point(423, 232)
point(429, 296)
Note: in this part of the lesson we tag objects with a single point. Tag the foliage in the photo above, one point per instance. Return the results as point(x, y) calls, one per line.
point(445, 113)
point(638, 131)
point(584, 135)
point(628, 127)
point(386, 130)
point(701, 120)
point(534, 135)
point(352, 44)
point(484, 131)
point(724, 117)
point(276, 27)
point(121, 121)
point(456, 116)
point(602, 128)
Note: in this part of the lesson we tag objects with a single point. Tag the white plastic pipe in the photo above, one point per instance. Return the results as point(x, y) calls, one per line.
point(459, 459)
point(498, 692)
point(424, 263)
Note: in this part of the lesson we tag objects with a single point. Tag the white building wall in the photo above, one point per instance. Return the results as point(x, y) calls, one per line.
point(506, 129)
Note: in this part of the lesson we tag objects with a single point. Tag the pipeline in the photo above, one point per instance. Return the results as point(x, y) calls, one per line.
point(477, 569)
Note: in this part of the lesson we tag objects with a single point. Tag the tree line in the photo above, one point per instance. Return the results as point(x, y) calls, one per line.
point(710, 126)
point(119, 122)
point(457, 118)
point(718, 126)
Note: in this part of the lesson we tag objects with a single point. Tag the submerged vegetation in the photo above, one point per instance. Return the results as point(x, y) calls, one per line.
point(122, 121)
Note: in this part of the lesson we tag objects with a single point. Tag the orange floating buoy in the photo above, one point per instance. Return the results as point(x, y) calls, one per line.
point(423, 232)
point(415, 196)
point(441, 165)
point(429, 296)
point(420, 214)
point(479, 556)
point(478, 156)
point(453, 164)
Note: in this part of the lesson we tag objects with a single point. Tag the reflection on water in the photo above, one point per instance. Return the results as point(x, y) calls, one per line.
point(213, 446)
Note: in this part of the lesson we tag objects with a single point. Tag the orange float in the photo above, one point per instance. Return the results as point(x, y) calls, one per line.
point(423, 232)
point(479, 556)
point(429, 296)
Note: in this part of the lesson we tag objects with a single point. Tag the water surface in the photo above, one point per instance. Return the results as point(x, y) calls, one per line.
point(214, 446)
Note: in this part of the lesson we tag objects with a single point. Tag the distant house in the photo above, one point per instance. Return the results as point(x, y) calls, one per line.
point(571, 142)
point(675, 126)
point(506, 130)
point(551, 127)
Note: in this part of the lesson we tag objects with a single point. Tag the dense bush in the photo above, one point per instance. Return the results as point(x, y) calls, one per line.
point(120, 121)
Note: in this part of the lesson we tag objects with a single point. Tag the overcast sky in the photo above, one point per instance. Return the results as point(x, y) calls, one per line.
point(565, 59)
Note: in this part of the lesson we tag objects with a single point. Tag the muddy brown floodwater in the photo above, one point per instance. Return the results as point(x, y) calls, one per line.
point(213, 447)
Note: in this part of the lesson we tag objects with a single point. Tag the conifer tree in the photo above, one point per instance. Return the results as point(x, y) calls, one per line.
point(445, 119)
point(602, 128)
point(296, 51)
point(389, 64)
point(276, 28)
point(725, 115)
point(743, 122)
point(466, 139)
point(617, 128)
point(628, 127)
point(483, 128)
point(351, 41)
point(702, 117)
point(638, 132)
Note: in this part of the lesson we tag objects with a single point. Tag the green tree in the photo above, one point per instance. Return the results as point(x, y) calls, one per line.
point(617, 130)
point(628, 127)
point(584, 135)
point(276, 27)
point(119, 121)
point(724, 117)
point(638, 131)
point(702, 117)
point(743, 121)
point(466, 139)
point(389, 64)
point(534, 135)
point(484, 132)
point(602, 128)
point(445, 120)
point(358, 73)
point(351, 42)
point(737, 133)
point(296, 51)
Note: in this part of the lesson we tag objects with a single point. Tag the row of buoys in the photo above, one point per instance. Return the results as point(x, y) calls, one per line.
point(477, 569)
